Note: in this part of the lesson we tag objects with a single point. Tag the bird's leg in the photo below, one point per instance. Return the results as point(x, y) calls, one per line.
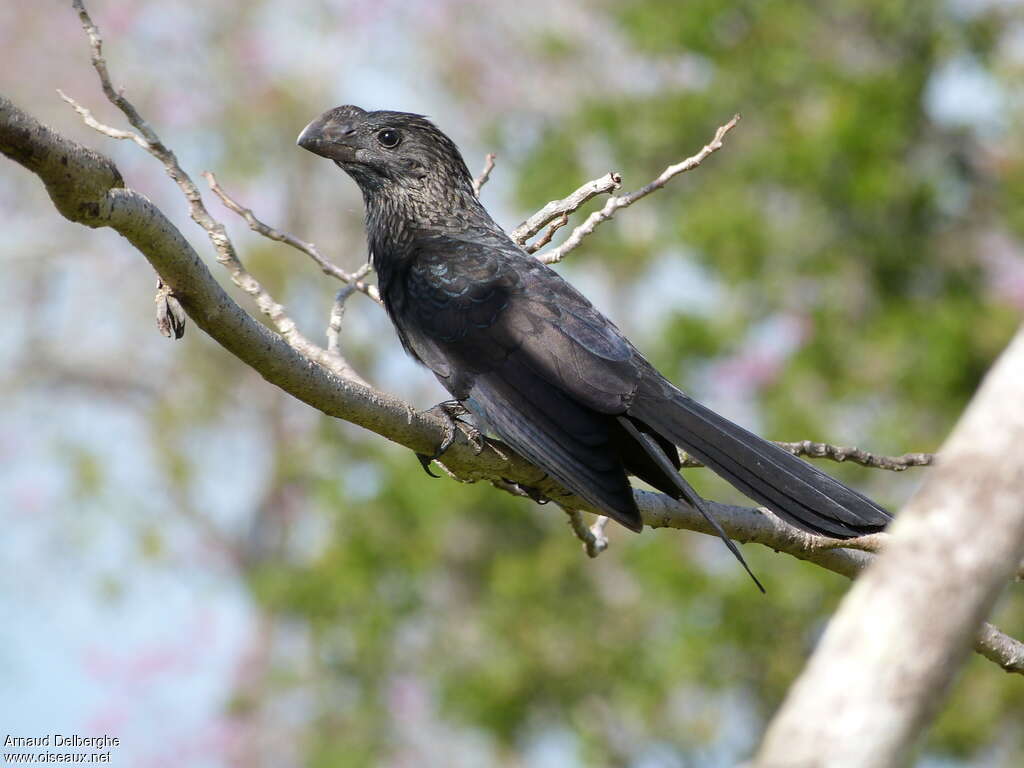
point(452, 411)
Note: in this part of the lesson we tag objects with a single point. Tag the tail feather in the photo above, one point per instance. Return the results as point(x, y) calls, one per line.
point(682, 489)
point(795, 490)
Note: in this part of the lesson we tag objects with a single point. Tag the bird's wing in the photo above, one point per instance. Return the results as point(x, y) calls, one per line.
point(475, 305)
point(527, 349)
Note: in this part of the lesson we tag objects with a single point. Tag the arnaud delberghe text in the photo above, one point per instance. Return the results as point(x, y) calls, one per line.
point(59, 740)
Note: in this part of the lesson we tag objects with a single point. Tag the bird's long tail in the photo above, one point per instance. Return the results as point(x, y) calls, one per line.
point(795, 490)
point(680, 488)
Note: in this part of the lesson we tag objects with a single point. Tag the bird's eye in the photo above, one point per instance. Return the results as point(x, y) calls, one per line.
point(389, 138)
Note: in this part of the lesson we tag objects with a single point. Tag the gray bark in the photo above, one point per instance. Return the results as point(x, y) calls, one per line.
point(890, 653)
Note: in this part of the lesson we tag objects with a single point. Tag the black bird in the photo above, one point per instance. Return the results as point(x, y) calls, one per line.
point(531, 357)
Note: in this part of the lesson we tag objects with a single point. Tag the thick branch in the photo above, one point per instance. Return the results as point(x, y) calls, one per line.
point(903, 630)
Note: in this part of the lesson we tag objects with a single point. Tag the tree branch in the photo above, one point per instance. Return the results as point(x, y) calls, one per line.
point(222, 244)
point(857, 456)
point(334, 326)
point(840, 454)
point(1005, 651)
point(614, 203)
point(355, 279)
point(955, 545)
point(607, 183)
point(544, 239)
point(485, 174)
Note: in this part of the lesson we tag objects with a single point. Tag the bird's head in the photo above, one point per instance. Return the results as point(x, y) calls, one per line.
point(382, 150)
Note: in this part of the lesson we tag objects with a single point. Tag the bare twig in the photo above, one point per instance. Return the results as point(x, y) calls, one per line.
point(338, 312)
point(607, 183)
point(857, 456)
point(840, 454)
point(597, 529)
point(485, 174)
point(326, 266)
point(622, 201)
point(334, 331)
point(116, 98)
point(96, 125)
point(593, 538)
point(544, 239)
point(222, 244)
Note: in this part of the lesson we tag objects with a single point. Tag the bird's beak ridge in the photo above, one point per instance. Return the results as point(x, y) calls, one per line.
point(328, 137)
point(310, 136)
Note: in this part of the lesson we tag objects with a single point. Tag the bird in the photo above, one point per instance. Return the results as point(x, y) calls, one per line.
point(532, 359)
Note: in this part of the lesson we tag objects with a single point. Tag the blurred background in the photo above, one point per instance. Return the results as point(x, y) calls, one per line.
point(220, 576)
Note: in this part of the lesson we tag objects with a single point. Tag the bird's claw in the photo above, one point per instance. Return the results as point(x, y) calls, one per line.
point(452, 411)
point(425, 463)
point(534, 494)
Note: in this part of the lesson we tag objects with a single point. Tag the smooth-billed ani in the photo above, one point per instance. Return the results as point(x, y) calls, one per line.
point(530, 356)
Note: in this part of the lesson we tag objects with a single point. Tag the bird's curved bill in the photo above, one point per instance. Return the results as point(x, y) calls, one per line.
point(323, 137)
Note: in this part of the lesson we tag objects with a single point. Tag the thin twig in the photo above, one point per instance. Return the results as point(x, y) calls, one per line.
point(857, 456)
point(222, 244)
point(92, 122)
point(334, 330)
point(607, 183)
point(623, 201)
point(485, 174)
point(326, 266)
point(840, 454)
point(593, 538)
point(544, 239)
point(597, 529)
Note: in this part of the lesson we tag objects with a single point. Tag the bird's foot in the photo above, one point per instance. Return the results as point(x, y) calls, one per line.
point(518, 489)
point(452, 411)
point(534, 493)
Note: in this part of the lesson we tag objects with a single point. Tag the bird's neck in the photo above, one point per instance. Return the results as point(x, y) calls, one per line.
point(397, 217)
